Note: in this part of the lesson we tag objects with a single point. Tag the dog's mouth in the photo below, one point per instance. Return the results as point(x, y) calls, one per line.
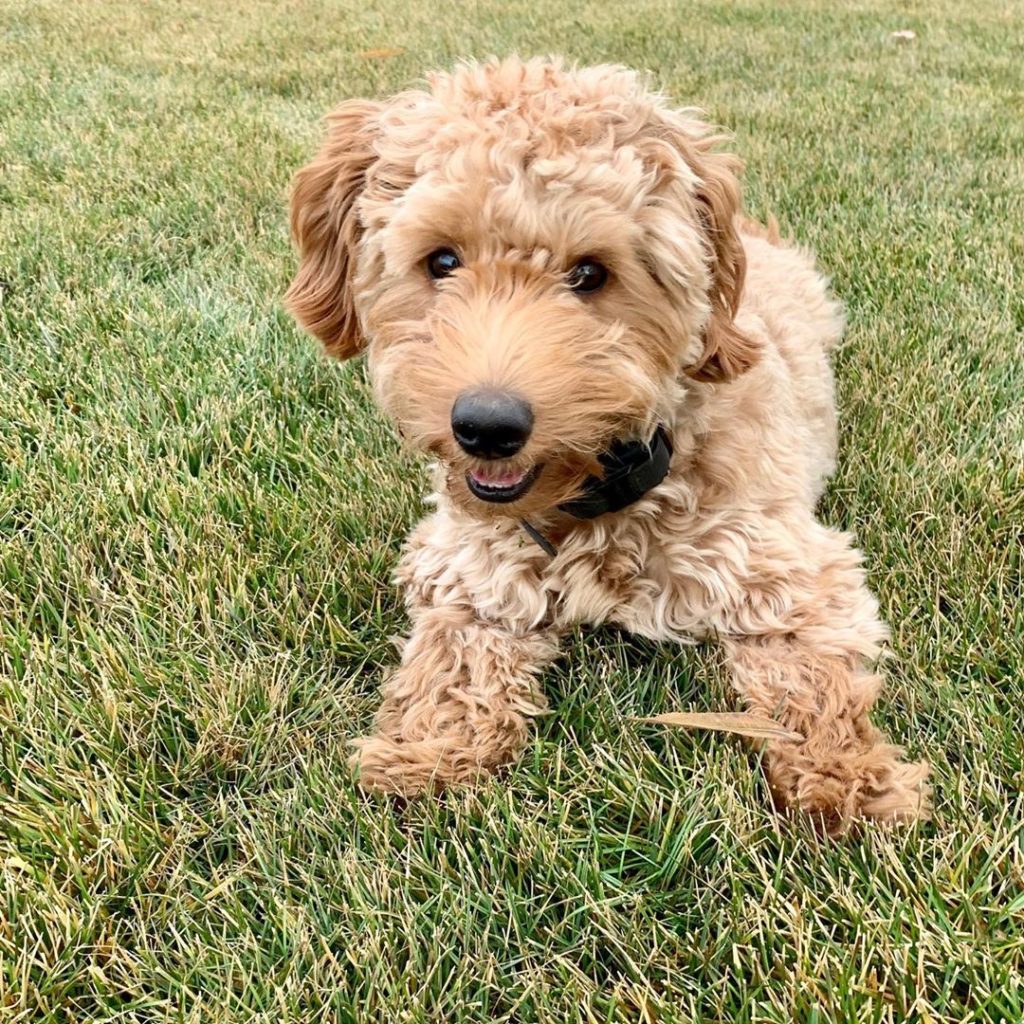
point(501, 486)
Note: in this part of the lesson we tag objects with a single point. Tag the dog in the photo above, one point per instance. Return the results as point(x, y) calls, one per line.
point(625, 383)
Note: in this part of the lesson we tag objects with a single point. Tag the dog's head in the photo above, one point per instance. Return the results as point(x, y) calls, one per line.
point(534, 258)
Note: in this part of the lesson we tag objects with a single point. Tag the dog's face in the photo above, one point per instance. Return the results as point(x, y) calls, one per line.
point(535, 260)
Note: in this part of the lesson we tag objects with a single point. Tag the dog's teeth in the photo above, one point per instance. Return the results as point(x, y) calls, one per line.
point(504, 480)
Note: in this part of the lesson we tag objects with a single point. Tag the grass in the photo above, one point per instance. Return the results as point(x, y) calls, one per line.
point(199, 517)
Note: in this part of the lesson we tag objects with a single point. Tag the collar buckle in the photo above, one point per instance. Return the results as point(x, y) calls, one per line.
point(632, 469)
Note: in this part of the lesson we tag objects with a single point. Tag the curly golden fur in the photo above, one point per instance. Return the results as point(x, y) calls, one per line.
point(707, 324)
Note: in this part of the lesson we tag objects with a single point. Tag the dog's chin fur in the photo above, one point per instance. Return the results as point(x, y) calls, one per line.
point(708, 324)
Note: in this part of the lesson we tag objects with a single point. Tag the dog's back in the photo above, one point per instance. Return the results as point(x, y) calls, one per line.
point(786, 403)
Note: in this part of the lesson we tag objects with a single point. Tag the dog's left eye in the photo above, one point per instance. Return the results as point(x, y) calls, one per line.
point(442, 262)
point(587, 276)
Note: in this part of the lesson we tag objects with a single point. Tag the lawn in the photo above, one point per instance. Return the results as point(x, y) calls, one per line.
point(199, 517)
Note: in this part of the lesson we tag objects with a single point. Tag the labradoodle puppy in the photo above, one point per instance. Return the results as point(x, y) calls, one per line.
point(626, 387)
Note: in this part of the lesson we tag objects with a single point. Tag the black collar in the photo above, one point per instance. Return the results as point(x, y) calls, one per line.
point(632, 468)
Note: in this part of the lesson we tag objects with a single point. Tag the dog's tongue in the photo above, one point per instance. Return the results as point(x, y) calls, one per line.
point(494, 478)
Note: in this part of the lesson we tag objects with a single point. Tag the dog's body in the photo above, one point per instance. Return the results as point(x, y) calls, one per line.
point(565, 254)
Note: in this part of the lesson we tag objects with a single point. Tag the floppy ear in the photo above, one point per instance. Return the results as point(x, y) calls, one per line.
point(326, 228)
point(712, 182)
point(728, 352)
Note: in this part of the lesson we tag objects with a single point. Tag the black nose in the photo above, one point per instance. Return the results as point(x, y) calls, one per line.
point(491, 424)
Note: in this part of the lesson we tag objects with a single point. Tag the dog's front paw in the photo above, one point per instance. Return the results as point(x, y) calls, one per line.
point(410, 768)
point(385, 765)
point(842, 788)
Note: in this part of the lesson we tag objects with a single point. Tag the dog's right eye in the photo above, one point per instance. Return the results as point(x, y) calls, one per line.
point(441, 263)
point(587, 276)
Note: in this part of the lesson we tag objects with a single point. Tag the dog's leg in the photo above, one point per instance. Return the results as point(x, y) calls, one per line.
point(457, 707)
point(801, 645)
